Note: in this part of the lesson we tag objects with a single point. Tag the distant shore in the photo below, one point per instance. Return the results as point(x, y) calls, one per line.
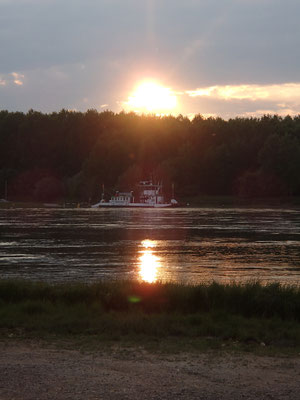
point(182, 316)
point(189, 201)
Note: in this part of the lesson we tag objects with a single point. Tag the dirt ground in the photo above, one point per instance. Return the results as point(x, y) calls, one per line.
point(33, 372)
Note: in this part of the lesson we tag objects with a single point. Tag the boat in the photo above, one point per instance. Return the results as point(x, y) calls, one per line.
point(150, 196)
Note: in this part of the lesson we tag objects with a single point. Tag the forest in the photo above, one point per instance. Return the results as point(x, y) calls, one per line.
point(70, 155)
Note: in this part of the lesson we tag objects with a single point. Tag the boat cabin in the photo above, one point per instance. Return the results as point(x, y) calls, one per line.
point(122, 198)
point(151, 193)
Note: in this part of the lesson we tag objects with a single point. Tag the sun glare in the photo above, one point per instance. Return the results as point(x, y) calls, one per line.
point(150, 97)
point(149, 263)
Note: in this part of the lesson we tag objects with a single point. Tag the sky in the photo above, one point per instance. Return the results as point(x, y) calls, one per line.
point(222, 58)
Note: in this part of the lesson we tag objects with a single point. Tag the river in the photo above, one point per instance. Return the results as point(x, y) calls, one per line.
point(189, 245)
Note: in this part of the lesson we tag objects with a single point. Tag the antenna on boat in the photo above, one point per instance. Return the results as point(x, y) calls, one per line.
point(102, 197)
point(173, 190)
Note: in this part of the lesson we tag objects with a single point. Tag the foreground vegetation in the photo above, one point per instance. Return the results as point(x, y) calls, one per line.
point(69, 155)
point(249, 314)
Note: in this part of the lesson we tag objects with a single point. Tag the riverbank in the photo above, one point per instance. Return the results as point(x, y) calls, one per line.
point(204, 316)
point(237, 202)
point(186, 201)
point(4, 204)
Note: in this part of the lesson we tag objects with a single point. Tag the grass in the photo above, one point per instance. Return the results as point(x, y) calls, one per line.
point(217, 314)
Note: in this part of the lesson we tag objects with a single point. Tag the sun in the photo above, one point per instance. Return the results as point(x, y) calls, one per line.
point(151, 97)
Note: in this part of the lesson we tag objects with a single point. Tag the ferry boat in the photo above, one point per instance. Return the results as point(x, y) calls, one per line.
point(150, 195)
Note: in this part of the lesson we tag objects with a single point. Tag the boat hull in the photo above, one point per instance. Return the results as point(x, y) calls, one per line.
point(132, 205)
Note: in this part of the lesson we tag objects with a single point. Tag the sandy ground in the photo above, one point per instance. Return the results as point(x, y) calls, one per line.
point(33, 372)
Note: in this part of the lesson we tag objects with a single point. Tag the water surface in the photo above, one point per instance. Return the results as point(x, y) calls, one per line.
point(183, 244)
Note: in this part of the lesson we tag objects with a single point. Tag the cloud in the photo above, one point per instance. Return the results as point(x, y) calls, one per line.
point(244, 100)
point(280, 111)
point(13, 78)
point(17, 78)
point(276, 92)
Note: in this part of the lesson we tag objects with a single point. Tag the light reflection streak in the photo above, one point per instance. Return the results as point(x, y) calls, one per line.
point(149, 263)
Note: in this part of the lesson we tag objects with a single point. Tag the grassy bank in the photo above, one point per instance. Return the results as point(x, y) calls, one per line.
point(250, 314)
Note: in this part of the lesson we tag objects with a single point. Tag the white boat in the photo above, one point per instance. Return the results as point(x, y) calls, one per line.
point(150, 195)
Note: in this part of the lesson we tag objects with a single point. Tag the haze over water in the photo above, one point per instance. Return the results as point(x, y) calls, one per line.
point(185, 244)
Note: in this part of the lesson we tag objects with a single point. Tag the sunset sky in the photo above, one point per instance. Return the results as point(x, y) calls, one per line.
point(215, 57)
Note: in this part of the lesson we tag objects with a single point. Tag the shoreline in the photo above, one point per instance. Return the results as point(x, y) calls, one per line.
point(198, 201)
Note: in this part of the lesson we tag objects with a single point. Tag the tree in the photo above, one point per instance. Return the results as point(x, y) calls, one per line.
point(49, 189)
point(280, 157)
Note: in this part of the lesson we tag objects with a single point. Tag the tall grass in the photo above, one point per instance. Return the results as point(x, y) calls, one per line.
point(249, 300)
point(250, 312)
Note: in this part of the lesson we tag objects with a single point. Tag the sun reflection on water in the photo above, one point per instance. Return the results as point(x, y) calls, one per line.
point(149, 263)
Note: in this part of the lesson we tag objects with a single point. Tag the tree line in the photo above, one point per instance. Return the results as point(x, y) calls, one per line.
point(69, 155)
